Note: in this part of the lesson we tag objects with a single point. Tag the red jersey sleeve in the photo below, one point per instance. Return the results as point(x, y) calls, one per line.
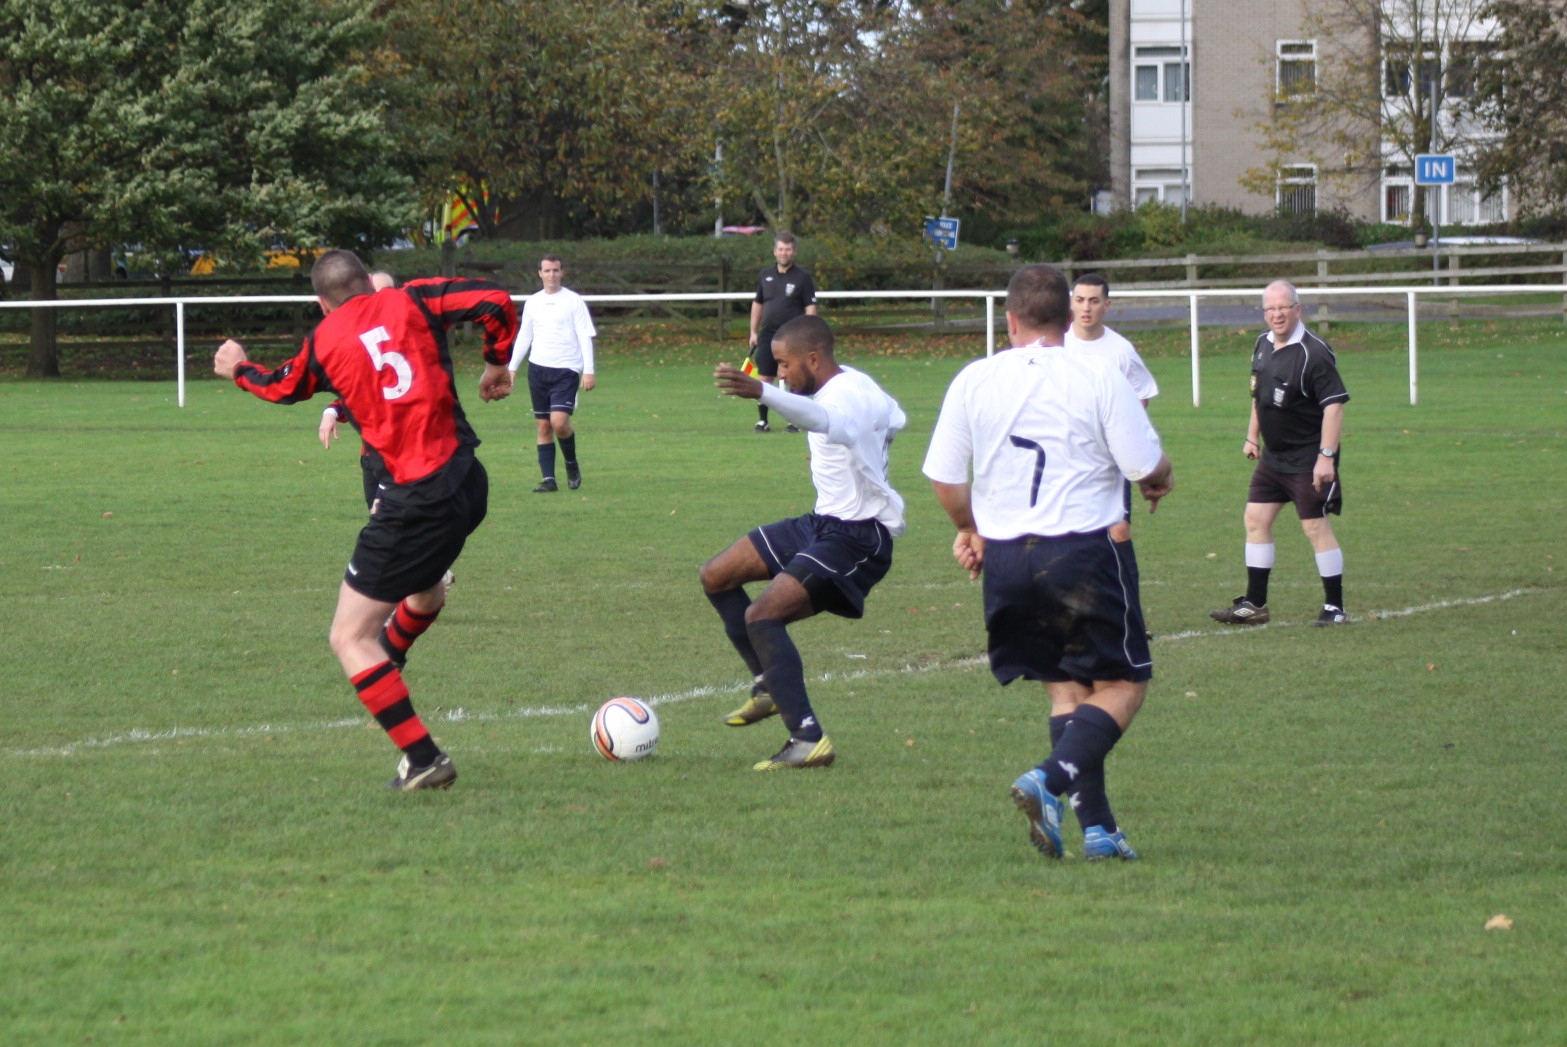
point(473, 301)
point(298, 379)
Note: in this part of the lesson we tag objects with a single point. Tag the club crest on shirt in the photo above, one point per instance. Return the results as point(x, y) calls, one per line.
point(1254, 385)
point(788, 289)
point(1278, 397)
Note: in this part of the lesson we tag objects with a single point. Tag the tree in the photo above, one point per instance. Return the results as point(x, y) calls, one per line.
point(563, 107)
point(1030, 76)
point(1382, 68)
point(235, 125)
point(1523, 94)
point(840, 114)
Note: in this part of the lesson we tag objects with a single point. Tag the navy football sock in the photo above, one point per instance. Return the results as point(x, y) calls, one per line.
point(785, 678)
point(1076, 764)
point(547, 460)
point(1333, 591)
point(730, 605)
point(1257, 585)
point(761, 412)
point(1057, 726)
point(568, 449)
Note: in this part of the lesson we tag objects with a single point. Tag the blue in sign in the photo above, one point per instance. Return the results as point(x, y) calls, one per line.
point(943, 232)
point(1435, 169)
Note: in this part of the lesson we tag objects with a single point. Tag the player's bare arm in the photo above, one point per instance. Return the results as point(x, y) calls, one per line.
point(1251, 448)
point(968, 547)
point(228, 358)
point(756, 321)
point(731, 381)
point(1158, 483)
point(588, 382)
point(1326, 469)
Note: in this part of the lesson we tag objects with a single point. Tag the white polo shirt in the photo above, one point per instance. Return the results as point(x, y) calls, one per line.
point(850, 425)
point(1049, 432)
point(558, 331)
point(1115, 347)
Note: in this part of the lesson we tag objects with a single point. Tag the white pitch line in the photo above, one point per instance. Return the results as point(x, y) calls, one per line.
point(140, 736)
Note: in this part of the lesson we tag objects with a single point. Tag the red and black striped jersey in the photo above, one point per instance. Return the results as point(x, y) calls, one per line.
point(385, 355)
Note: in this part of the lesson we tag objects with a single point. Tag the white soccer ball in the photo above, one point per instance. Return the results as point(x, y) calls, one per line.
point(624, 729)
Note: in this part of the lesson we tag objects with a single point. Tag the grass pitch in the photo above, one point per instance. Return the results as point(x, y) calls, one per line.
point(195, 847)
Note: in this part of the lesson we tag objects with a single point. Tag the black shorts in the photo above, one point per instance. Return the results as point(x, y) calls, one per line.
point(1268, 485)
point(838, 561)
point(553, 389)
point(405, 549)
point(766, 363)
point(1066, 608)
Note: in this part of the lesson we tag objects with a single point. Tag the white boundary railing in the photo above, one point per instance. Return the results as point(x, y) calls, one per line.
point(1193, 297)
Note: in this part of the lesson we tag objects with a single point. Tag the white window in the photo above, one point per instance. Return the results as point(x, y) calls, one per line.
point(1159, 75)
point(1297, 192)
point(1396, 197)
point(1465, 205)
point(1296, 73)
point(1158, 185)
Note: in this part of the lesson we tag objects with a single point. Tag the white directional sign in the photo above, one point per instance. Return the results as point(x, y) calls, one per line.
point(1435, 169)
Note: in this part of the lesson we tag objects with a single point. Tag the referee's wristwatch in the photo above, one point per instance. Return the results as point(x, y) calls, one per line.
point(1327, 453)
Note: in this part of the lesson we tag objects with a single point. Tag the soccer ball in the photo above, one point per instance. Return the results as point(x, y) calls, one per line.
point(624, 729)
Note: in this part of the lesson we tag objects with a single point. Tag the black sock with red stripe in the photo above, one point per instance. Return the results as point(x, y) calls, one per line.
point(404, 627)
point(383, 692)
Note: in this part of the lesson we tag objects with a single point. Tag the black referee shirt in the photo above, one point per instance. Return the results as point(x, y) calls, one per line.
point(1291, 386)
point(784, 296)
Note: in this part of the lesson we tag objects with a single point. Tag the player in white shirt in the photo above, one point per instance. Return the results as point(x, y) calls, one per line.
point(1047, 434)
point(826, 560)
point(558, 332)
point(1090, 303)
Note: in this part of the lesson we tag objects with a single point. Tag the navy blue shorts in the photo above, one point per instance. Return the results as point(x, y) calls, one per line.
point(847, 557)
point(553, 389)
point(405, 549)
point(1065, 608)
point(1268, 485)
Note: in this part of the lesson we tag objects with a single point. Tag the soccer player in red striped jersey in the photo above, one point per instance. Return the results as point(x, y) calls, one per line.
point(385, 355)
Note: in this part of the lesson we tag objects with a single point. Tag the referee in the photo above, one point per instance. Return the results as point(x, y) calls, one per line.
point(1048, 434)
point(783, 292)
point(1297, 413)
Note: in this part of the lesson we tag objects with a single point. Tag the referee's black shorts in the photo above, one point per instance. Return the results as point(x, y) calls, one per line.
point(766, 363)
point(405, 549)
point(1065, 608)
point(1268, 485)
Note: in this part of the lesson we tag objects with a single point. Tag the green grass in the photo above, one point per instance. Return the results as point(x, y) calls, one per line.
point(194, 847)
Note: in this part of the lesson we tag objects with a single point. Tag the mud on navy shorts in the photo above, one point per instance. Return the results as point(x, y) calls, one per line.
point(1065, 608)
point(838, 561)
point(1270, 485)
point(766, 363)
point(552, 389)
point(405, 549)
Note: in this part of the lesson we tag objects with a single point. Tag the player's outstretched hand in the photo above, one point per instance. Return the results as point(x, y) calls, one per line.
point(328, 430)
point(228, 357)
point(968, 549)
point(731, 381)
point(495, 383)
